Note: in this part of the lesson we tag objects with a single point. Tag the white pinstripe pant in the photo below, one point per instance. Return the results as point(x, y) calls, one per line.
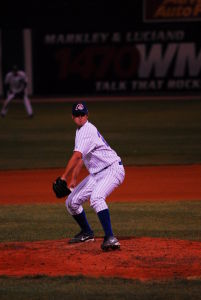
point(10, 97)
point(95, 187)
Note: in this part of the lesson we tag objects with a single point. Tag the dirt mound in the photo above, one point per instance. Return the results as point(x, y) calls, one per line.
point(139, 258)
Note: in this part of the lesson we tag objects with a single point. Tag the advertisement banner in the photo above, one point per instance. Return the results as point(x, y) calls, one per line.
point(172, 10)
point(134, 62)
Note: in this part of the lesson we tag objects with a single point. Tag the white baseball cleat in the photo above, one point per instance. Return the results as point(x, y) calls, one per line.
point(110, 243)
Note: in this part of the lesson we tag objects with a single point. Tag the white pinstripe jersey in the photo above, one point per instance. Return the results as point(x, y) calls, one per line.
point(16, 82)
point(96, 153)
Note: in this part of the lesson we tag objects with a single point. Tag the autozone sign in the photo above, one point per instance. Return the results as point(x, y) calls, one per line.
point(172, 10)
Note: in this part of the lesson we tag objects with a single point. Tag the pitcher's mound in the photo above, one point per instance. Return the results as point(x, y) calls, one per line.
point(139, 258)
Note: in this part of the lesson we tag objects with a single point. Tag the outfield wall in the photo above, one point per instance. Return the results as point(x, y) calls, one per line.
point(160, 54)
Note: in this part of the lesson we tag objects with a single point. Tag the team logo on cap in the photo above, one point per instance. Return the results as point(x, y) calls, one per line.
point(80, 106)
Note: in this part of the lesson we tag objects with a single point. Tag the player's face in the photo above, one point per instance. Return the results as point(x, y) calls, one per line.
point(80, 120)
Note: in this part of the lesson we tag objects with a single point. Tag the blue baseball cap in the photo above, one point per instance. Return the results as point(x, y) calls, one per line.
point(79, 109)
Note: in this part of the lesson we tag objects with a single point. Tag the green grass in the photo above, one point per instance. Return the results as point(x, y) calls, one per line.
point(180, 220)
point(81, 288)
point(142, 132)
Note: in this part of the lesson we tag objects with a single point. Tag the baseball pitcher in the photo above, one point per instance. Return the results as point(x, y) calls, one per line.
point(106, 172)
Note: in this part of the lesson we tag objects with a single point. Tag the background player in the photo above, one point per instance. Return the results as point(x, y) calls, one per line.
point(106, 172)
point(16, 86)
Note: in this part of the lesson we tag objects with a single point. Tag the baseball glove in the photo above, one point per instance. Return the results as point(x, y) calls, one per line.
point(60, 188)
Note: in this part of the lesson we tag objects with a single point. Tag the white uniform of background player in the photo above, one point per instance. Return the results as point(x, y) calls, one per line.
point(106, 172)
point(16, 85)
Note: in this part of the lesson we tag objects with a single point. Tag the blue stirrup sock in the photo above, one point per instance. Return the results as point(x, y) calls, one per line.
point(104, 217)
point(82, 222)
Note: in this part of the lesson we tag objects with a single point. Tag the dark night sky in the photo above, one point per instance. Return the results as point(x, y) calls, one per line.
point(89, 14)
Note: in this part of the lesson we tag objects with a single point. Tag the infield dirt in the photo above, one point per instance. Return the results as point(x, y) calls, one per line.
point(161, 183)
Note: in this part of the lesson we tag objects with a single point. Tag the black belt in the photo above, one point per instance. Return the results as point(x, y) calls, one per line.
point(120, 163)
